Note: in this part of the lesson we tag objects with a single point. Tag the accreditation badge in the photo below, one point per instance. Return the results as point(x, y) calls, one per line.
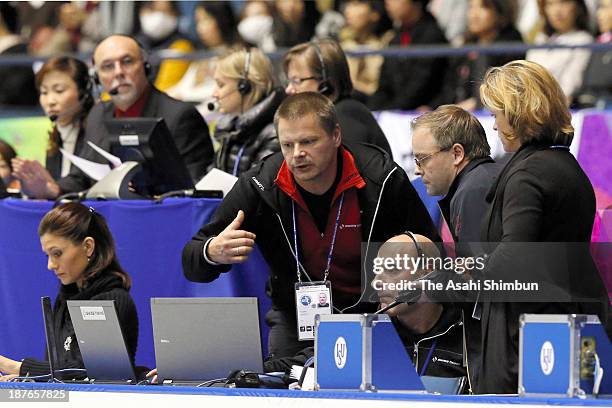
point(311, 299)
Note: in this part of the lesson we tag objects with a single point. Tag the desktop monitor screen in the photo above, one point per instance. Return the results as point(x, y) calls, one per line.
point(148, 141)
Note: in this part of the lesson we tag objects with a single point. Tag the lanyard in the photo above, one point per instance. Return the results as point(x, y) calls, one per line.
point(237, 162)
point(426, 364)
point(331, 247)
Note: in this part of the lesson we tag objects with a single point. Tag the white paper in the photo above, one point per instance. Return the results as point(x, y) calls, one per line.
point(296, 372)
point(96, 171)
point(114, 160)
point(217, 180)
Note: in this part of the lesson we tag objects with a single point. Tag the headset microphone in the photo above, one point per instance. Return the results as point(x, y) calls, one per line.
point(214, 105)
point(114, 91)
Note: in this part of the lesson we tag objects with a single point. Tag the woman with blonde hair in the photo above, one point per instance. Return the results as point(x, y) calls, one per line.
point(246, 94)
point(541, 196)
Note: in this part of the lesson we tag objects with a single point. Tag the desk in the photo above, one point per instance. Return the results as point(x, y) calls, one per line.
point(158, 396)
point(149, 239)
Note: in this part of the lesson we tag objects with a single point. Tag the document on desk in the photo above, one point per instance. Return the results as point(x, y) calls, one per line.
point(113, 160)
point(308, 383)
point(96, 171)
point(217, 180)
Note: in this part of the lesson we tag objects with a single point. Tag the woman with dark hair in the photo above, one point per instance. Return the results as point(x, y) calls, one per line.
point(81, 253)
point(7, 153)
point(321, 66)
point(488, 22)
point(65, 90)
point(216, 28)
point(565, 23)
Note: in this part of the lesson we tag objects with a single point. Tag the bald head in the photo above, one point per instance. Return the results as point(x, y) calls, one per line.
point(119, 63)
point(403, 245)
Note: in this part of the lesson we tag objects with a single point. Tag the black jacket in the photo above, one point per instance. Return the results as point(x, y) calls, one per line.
point(407, 83)
point(17, 87)
point(252, 131)
point(186, 125)
point(268, 215)
point(541, 195)
point(358, 124)
point(446, 338)
point(465, 202)
point(53, 162)
point(104, 287)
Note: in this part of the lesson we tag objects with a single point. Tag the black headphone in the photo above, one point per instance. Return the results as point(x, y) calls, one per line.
point(244, 85)
point(143, 52)
point(325, 86)
point(420, 252)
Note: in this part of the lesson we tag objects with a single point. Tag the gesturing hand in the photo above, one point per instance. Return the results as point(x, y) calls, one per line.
point(232, 245)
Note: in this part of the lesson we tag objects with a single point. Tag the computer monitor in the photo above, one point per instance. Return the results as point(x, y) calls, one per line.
point(148, 141)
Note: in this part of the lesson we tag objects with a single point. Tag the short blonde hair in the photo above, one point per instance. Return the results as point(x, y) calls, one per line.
point(260, 73)
point(532, 101)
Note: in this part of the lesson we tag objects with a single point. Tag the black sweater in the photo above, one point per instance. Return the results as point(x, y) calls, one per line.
point(104, 287)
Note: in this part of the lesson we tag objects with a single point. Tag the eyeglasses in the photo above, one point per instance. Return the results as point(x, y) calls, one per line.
point(421, 161)
point(298, 81)
point(128, 63)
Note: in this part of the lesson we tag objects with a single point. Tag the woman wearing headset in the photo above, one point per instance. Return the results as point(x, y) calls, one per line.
point(245, 93)
point(65, 91)
point(321, 66)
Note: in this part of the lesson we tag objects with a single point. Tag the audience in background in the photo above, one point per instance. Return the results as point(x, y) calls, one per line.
point(321, 66)
point(596, 88)
point(216, 28)
point(566, 23)
point(489, 21)
point(245, 93)
point(17, 85)
point(367, 27)
point(451, 16)
point(255, 22)
point(410, 83)
point(105, 18)
point(31, 15)
point(159, 31)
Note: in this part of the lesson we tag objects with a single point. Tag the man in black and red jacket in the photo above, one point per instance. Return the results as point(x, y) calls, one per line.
point(297, 199)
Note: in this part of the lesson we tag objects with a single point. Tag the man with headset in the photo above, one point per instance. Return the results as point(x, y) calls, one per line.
point(431, 332)
point(121, 69)
point(310, 208)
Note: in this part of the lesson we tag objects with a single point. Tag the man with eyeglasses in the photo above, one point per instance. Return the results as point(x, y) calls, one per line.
point(452, 156)
point(121, 69)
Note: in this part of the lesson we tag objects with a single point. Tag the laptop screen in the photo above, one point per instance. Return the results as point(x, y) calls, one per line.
point(52, 355)
point(201, 339)
point(100, 340)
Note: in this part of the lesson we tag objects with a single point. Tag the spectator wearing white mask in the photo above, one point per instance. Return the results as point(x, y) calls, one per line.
point(159, 23)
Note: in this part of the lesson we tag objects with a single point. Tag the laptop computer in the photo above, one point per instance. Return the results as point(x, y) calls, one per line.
point(201, 339)
point(101, 341)
point(52, 355)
